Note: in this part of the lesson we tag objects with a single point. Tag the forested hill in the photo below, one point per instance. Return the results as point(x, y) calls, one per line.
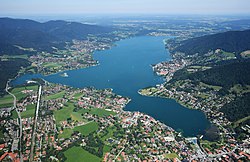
point(18, 34)
point(226, 76)
point(232, 41)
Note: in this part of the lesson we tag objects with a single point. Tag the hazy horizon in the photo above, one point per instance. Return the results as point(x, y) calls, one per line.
point(124, 7)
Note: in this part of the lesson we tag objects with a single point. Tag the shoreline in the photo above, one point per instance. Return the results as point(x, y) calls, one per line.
point(118, 94)
point(176, 100)
point(181, 103)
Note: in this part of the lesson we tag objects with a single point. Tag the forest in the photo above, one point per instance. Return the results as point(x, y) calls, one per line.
point(225, 75)
point(237, 109)
point(9, 69)
point(231, 41)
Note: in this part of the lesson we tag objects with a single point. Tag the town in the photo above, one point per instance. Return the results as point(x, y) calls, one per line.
point(69, 119)
point(76, 56)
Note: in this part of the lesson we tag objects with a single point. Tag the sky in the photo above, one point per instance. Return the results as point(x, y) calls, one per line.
point(46, 7)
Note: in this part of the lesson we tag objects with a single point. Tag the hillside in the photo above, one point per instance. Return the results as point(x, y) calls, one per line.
point(237, 109)
point(224, 75)
point(9, 69)
point(17, 34)
point(232, 41)
point(23, 36)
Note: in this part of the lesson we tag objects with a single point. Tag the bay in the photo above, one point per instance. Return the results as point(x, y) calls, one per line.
point(126, 68)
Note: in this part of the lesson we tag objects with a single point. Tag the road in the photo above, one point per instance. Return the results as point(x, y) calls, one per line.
point(19, 118)
point(120, 151)
point(35, 123)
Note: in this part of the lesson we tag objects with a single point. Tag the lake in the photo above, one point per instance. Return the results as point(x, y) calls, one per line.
point(126, 68)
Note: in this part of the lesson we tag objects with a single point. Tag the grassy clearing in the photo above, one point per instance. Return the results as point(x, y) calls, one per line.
point(78, 96)
point(79, 154)
point(6, 105)
point(245, 54)
point(64, 113)
point(87, 129)
point(172, 156)
point(30, 111)
point(111, 131)
point(76, 116)
point(56, 96)
point(7, 100)
point(66, 133)
point(14, 114)
point(83, 129)
point(144, 91)
point(239, 89)
point(31, 69)
point(101, 112)
point(228, 54)
point(1, 136)
point(68, 112)
point(236, 124)
point(19, 89)
point(82, 111)
point(204, 95)
point(20, 96)
point(106, 149)
point(211, 145)
point(14, 56)
point(194, 68)
point(52, 65)
point(148, 91)
point(96, 111)
point(216, 88)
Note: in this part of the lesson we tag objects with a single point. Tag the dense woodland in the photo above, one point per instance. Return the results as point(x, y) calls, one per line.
point(232, 41)
point(9, 69)
point(226, 75)
point(237, 109)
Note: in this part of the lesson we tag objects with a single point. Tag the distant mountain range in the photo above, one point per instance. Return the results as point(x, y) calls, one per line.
point(232, 41)
point(18, 34)
point(237, 24)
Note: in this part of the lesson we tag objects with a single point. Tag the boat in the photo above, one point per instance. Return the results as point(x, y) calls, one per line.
point(64, 75)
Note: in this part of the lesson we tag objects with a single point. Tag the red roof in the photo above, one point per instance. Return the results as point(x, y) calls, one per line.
point(3, 156)
point(2, 146)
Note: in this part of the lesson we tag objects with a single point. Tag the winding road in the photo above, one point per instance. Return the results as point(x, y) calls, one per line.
point(19, 118)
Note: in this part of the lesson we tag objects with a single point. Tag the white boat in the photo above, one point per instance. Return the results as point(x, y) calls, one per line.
point(64, 75)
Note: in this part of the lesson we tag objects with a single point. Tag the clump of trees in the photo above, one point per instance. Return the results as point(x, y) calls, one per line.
point(237, 109)
point(93, 142)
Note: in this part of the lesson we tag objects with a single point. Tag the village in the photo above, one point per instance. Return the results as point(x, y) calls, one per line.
point(76, 56)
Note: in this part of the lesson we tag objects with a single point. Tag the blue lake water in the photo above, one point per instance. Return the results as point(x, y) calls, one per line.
point(126, 68)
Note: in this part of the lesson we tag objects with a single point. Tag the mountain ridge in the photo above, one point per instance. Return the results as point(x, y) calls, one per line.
point(41, 36)
point(230, 41)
